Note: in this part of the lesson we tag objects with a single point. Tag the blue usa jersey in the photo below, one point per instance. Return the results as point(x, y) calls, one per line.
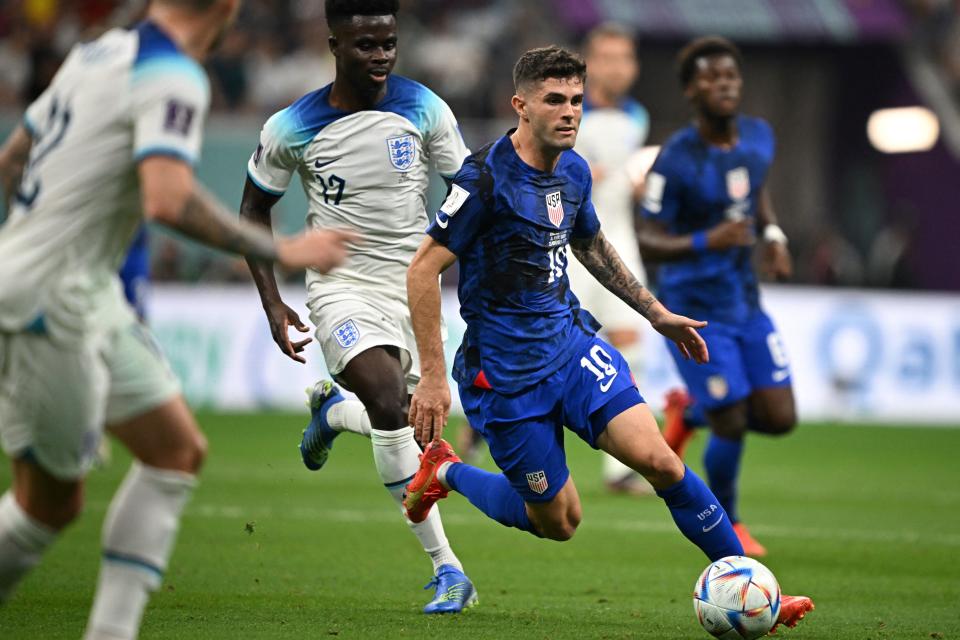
point(509, 224)
point(694, 186)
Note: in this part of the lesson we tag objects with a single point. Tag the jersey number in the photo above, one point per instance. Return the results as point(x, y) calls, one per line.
point(600, 364)
point(332, 188)
point(558, 263)
point(45, 140)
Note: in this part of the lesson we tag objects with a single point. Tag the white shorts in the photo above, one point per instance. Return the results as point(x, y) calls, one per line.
point(55, 398)
point(351, 322)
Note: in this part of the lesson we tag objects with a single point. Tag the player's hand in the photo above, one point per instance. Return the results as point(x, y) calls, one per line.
point(429, 408)
point(732, 233)
point(321, 249)
point(776, 262)
point(683, 332)
point(281, 318)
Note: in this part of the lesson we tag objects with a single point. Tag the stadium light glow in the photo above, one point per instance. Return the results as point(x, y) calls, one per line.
point(903, 130)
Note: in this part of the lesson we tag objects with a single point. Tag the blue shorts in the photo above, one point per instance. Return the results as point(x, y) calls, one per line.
point(743, 357)
point(524, 431)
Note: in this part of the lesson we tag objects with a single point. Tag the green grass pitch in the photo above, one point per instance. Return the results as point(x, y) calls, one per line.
point(864, 519)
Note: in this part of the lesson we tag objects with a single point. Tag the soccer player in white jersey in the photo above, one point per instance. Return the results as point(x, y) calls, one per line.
point(362, 147)
point(115, 134)
point(613, 129)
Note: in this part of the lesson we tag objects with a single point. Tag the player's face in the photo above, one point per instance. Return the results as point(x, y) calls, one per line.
point(553, 108)
point(715, 87)
point(366, 49)
point(613, 65)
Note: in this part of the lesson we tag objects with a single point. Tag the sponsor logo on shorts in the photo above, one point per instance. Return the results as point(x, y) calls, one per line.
point(537, 482)
point(717, 387)
point(347, 334)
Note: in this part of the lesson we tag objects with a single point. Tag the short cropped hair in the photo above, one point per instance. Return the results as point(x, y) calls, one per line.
point(336, 10)
point(704, 47)
point(607, 30)
point(547, 62)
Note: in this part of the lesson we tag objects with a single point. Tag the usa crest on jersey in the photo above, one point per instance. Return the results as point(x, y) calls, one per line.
point(738, 183)
point(537, 481)
point(555, 208)
point(403, 151)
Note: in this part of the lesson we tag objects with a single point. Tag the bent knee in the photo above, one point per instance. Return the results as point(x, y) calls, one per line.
point(663, 469)
point(559, 531)
point(780, 422)
point(57, 513)
point(187, 454)
point(387, 413)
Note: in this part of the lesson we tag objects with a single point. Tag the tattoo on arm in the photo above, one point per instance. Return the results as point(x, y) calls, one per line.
point(602, 261)
point(205, 219)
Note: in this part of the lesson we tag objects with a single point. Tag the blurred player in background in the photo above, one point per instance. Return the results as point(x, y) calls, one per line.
point(531, 362)
point(706, 201)
point(613, 129)
point(117, 132)
point(362, 147)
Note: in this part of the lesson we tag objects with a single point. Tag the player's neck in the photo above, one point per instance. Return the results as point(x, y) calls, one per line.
point(349, 97)
point(718, 132)
point(532, 154)
point(194, 35)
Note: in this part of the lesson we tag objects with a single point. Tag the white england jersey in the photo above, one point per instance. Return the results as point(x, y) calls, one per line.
point(116, 100)
point(607, 138)
point(364, 170)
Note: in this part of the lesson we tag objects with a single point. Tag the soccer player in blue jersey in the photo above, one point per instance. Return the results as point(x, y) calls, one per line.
point(706, 202)
point(531, 361)
point(362, 147)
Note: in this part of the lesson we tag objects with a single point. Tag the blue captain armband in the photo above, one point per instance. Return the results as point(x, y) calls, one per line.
point(699, 242)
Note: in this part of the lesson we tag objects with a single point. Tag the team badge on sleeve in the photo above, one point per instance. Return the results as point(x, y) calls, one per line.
point(738, 183)
point(347, 334)
point(537, 481)
point(179, 117)
point(555, 208)
point(653, 192)
point(403, 151)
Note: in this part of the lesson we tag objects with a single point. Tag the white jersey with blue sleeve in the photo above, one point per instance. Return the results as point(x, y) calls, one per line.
point(126, 96)
point(364, 170)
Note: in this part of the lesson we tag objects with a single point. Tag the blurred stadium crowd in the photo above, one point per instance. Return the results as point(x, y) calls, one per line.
point(462, 49)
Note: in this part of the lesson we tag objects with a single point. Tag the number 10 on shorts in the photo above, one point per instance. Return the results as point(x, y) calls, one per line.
point(600, 364)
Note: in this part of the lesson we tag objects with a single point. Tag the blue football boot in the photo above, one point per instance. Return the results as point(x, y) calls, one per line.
point(454, 593)
point(318, 436)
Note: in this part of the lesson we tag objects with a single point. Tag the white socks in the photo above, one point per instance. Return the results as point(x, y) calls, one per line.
point(22, 543)
point(396, 455)
point(138, 536)
point(349, 415)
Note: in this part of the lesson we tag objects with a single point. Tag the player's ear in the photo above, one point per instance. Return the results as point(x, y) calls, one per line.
point(520, 106)
point(332, 43)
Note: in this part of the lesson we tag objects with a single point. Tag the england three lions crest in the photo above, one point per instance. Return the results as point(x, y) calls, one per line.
point(402, 151)
point(555, 208)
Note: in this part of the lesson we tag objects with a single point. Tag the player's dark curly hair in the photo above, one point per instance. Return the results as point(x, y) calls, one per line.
point(704, 47)
point(548, 62)
point(345, 9)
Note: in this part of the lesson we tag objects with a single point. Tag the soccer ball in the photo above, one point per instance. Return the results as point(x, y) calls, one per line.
point(737, 598)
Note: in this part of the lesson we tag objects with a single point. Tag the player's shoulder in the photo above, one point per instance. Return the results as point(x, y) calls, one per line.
point(414, 101)
point(301, 121)
point(676, 152)
point(756, 130)
point(158, 57)
point(574, 166)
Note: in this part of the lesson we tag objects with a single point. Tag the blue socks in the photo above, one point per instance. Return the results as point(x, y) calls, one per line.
point(491, 493)
point(722, 463)
point(700, 517)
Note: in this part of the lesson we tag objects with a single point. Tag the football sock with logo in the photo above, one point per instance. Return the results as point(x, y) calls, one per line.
point(700, 517)
point(489, 492)
point(721, 459)
point(138, 536)
point(397, 457)
point(349, 415)
point(22, 543)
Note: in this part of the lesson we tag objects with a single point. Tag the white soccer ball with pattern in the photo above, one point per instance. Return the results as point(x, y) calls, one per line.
point(737, 598)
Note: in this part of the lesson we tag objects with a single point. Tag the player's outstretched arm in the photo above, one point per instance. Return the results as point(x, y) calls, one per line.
point(659, 245)
point(256, 208)
point(430, 404)
point(602, 261)
point(13, 158)
point(171, 197)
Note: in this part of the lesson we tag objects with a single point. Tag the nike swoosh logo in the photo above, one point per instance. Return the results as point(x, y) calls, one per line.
point(780, 375)
point(604, 387)
point(320, 165)
point(442, 223)
point(711, 527)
